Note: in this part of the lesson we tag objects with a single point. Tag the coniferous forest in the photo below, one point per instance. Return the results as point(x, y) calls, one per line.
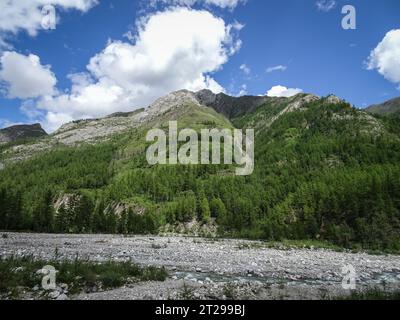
point(326, 172)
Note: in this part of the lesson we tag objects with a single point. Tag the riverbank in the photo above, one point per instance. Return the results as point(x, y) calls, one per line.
point(214, 269)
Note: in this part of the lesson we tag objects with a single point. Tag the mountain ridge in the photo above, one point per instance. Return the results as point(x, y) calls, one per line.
point(229, 106)
point(389, 107)
point(94, 131)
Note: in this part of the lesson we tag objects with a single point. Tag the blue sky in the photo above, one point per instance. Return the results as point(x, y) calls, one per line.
point(302, 46)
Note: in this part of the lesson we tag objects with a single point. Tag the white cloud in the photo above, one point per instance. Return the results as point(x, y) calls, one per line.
point(230, 4)
point(245, 68)
point(25, 15)
point(175, 49)
point(276, 68)
point(325, 5)
point(25, 77)
point(385, 58)
point(281, 91)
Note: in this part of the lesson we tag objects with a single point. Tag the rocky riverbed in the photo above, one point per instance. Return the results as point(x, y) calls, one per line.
point(214, 269)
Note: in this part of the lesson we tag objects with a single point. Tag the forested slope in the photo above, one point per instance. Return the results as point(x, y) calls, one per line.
point(323, 170)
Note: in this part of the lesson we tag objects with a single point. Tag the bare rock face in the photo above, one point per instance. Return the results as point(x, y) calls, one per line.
point(97, 130)
point(299, 101)
point(18, 132)
point(66, 201)
point(69, 201)
point(173, 100)
point(332, 99)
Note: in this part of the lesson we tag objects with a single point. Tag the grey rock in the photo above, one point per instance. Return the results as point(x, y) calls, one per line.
point(224, 266)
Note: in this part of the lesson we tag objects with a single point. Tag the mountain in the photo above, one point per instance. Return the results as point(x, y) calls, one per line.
point(387, 108)
point(215, 108)
point(18, 132)
point(323, 171)
point(95, 131)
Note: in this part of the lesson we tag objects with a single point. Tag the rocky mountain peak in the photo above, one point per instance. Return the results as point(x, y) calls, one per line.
point(332, 99)
point(206, 97)
point(173, 100)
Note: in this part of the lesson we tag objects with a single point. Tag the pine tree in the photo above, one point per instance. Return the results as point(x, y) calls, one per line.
point(61, 219)
point(218, 211)
point(83, 214)
point(205, 214)
point(99, 223)
point(43, 216)
point(123, 223)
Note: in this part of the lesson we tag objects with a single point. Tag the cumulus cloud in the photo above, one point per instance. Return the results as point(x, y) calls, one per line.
point(325, 5)
point(281, 91)
point(385, 58)
point(25, 77)
point(23, 15)
point(176, 49)
point(276, 68)
point(231, 4)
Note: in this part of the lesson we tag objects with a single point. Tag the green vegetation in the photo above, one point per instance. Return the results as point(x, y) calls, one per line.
point(19, 273)
point(326, 173)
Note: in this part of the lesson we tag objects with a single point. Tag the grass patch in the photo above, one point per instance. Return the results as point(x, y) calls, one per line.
point(17, 274)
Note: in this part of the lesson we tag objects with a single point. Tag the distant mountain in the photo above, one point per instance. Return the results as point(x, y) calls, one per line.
point(389, 107)
point(18, 132)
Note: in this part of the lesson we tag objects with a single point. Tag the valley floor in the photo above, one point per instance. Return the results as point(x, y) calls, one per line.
point(214, 269)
